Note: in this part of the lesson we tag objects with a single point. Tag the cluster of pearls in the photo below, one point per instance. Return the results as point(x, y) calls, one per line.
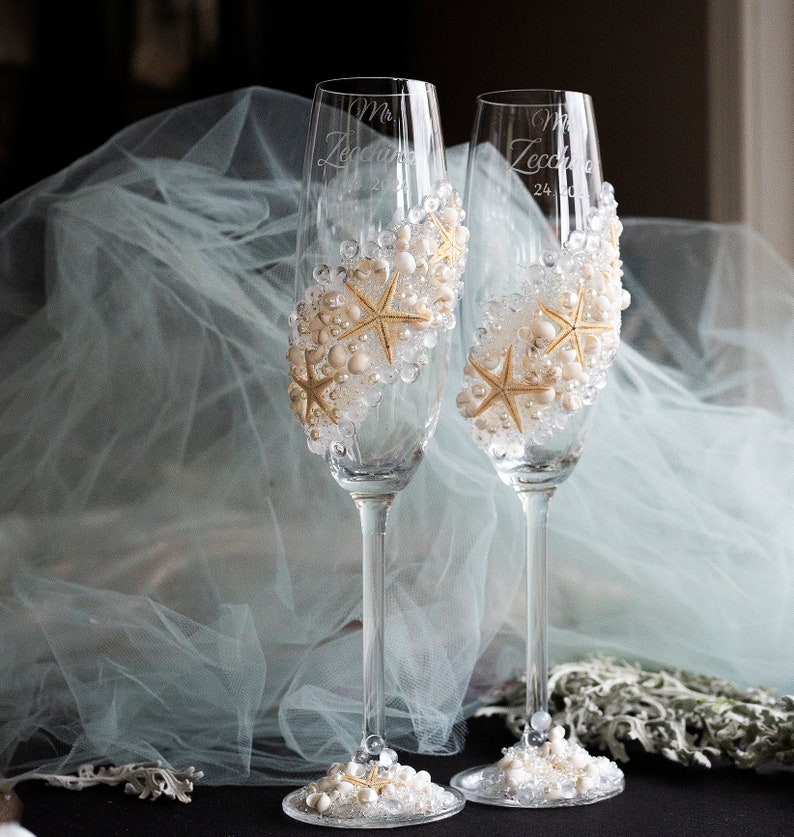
point(555, 773)
point(559, 335)
point(377, 790)
point(372, 319)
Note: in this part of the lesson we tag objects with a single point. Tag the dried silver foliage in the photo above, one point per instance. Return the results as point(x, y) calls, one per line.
point(148, 780)
point(687, 718)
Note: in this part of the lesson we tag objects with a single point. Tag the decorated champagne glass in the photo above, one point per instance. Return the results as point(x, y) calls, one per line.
point(380, 251)
point(540, 325)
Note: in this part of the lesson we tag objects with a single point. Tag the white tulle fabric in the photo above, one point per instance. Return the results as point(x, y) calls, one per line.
point(180, 575)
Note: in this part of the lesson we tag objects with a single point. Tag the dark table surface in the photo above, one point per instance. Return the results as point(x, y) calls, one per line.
point(661, 798)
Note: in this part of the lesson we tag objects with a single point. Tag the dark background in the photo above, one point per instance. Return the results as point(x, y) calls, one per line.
point(74, 73)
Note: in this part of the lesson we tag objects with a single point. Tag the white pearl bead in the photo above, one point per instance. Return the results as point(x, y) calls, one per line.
point(422, 779)
point(366, 796)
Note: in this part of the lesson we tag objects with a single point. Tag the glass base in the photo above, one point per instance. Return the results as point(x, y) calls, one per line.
point(555, 774)
point(372, 796)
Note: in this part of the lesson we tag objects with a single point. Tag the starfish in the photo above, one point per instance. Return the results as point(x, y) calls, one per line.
point(380, 316)
point(448, 248)
point(313, 387)
point(505, 388)
point(370, 781)
point(572, 327)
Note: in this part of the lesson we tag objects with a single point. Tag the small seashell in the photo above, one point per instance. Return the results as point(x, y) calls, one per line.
point(405, 263)
point(543, 329)
point(571, 402)
point(358, 364)
point(571, 371)
point(353, 768)
point(319, 801)
point(337, 356)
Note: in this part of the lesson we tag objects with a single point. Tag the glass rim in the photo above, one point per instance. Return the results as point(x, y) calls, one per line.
point(529, 96)
point(371, 85)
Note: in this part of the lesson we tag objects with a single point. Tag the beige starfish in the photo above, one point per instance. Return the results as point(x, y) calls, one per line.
point(572, 327)
point(448, 248)
point(370, 781)
point(505, 388)
point(313, 388)
point(380, 317)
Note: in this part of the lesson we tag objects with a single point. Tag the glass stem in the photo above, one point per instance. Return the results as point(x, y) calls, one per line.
point(535, 503)
point(373, 510)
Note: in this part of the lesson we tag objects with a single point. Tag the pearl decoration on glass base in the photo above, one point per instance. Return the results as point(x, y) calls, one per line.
point(556, 773)
point(381, 792)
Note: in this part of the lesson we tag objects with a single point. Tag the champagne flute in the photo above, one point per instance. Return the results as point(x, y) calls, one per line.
point(380, 252)
point(541, 326)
